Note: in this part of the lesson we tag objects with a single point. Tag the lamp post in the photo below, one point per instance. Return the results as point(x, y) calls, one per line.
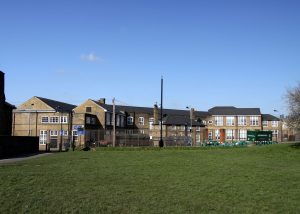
point(191, 123)
point(275, 110)
point(161, 142)
point(61, 130)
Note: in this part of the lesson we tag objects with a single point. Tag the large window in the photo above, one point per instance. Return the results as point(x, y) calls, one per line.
point(254, 121)
point(130, 120)
point(229, 134)
point(43, 137)
point(219, 121)
point(265, 123)
point(243, 134)
point(230, 121)
point(242, 121)
point(141, 121)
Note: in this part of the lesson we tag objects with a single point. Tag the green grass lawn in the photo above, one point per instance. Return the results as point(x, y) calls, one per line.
point(262, 179)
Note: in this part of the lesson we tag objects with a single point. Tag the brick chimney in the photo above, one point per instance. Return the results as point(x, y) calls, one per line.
point(2, 94)
point(101, 100)
point(155, 114)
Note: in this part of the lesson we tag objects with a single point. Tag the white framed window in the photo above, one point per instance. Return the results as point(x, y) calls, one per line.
point(217, 134)
point(141, 121)
point(53, 132)
point(182, 128)
point(229, 134)
point(43, 137)
point(204, 122)
point(54, 119)
point(265, 123)
point(130, 120)
point(210, 122)
point(198, 138)
point(229, 121)
point(64, 119)
point(219, 120)
point(253, 121)
point(65, 133)
point(142, 131)
point(243, 134)
point(198, 128)
point(45, 119)
point(242, 121)
point(174, 127)
point(274, 123)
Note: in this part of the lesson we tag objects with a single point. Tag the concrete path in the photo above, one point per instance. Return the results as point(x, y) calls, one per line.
point(22, 158)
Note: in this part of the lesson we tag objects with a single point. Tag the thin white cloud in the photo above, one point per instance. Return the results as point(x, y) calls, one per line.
point(91, 57)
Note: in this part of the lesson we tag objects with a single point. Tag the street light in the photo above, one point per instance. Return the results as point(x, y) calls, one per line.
point(191, 118)
point(61, 130)
point(275, 110)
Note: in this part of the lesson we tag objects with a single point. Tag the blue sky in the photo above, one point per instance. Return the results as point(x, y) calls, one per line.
point(244, 53)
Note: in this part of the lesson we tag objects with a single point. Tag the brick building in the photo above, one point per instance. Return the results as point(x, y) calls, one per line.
point(5, 109)
point(51, 120)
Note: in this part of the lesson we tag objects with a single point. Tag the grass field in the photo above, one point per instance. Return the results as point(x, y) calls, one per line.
point(262, 179)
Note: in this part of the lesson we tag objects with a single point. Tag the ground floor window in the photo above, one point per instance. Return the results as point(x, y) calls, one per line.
point(229, 134)
point(198, 138)
point(275, 133)
point(243, 134)
point(217, 134)
point(43, 137)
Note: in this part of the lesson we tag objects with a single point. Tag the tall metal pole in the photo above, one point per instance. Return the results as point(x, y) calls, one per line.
point(114, 123)
point(161, 142)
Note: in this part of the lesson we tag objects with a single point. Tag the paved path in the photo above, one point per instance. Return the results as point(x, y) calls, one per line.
point(22, 158)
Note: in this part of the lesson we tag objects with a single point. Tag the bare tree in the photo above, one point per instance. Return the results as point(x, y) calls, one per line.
point(293, 101)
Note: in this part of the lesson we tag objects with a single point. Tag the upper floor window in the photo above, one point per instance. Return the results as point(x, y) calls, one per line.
point(265, 123)
point(254, 121)
point(88, 109)
point(242, 121)
point(130, 120)
point(230, 121)
point(141, 121)
point(54, 119)
point(219, 121)
point(174, 127)
point(64, 119)
point(151, 119)
point(45, 119)
point(182, 128)
point(274, 123)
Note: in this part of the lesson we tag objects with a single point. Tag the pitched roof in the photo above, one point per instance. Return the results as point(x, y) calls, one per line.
point(10, 105)
point(269, 117)
point(231, 110)
point(180, 120)
point(57, 105)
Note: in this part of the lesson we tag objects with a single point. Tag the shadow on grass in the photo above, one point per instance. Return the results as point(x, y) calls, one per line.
point(295, 145)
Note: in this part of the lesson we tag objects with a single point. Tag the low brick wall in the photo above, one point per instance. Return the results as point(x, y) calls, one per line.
point(18, 145)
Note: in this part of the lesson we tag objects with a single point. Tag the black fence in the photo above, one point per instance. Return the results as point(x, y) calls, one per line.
point(18, 145)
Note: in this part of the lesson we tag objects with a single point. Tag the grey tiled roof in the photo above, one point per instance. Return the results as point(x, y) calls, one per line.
point(180, 120)
point(269, 117)
point(57, 105)
point(231, 110)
